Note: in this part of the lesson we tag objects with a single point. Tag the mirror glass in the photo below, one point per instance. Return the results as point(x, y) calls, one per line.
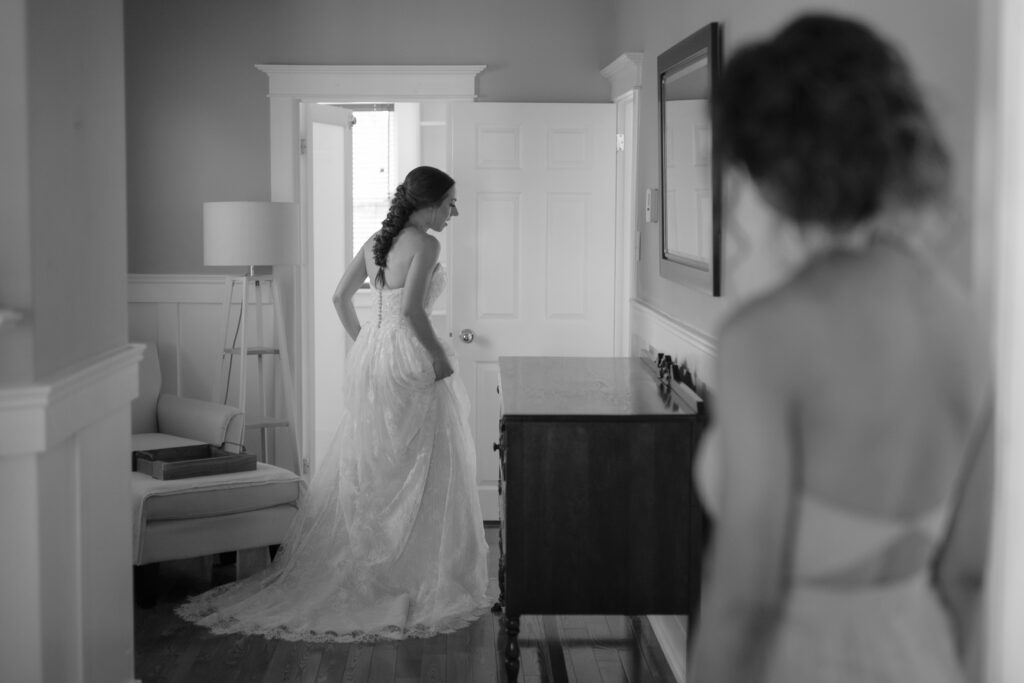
point(690, 184)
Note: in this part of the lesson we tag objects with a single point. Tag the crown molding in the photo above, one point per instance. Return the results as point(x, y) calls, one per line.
point(390, 83)
point(625, 73)
point(35, 417)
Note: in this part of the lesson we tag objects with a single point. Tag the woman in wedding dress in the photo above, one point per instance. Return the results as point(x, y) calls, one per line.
point(848, 468)
point(388, 542)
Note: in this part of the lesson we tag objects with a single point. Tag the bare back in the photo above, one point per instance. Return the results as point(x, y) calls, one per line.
point(889, 385)
point(406, 245)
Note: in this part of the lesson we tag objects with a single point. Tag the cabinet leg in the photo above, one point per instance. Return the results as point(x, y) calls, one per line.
point(498, 606)
point(512, 646)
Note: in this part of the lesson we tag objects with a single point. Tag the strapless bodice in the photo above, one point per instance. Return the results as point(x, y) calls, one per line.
point(829, 539)
point(389, 301)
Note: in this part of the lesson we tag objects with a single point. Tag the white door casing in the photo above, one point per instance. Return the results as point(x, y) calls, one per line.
point(533, 249)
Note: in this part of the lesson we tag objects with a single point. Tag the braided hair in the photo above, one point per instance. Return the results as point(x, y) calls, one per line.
point(424, 186)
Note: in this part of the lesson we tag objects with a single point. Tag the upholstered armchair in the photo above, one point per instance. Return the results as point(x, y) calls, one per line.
point(242, 512)
point(162, 420)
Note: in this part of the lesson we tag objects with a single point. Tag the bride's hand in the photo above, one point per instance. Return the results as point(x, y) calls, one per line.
point(442, 368)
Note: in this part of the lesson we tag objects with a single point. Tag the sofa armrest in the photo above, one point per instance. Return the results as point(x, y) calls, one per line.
point(204, 421)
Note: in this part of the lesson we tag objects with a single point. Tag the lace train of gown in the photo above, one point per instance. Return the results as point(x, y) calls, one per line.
point(388, 542)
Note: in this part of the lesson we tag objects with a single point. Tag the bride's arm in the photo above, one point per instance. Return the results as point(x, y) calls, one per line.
point(960, 570)
point(414, 296)
point(353, 278)
point(745, 580)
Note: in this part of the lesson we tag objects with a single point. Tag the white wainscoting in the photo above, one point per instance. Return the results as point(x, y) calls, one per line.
point(183, 314)
point(652, 329)
point(649, 328)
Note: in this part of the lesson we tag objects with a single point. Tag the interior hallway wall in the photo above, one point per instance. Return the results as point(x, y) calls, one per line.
point(198, 121)
point(939, 39)
point(67, 375)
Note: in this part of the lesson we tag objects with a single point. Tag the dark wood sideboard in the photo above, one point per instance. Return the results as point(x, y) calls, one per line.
point(598, 509)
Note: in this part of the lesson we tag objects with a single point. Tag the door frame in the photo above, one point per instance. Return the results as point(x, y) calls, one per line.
point(290, 85)
point(312, 279)
point(625, 75)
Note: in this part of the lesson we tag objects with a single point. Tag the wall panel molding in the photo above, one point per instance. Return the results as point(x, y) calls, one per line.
point(650, 327)
point(172, 288)
point(35, 418)
point(397, 83)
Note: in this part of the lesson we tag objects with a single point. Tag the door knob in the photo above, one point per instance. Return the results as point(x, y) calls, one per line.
point(467, 335)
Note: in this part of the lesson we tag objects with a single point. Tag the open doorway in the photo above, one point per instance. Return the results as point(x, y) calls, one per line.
point(355, 154)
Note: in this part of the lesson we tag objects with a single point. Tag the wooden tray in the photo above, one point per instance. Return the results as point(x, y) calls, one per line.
point(183, 462)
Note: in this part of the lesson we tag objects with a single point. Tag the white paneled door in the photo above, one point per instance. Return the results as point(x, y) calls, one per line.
point(533, 250)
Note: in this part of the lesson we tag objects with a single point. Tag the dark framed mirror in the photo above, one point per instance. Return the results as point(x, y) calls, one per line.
point(691, 186)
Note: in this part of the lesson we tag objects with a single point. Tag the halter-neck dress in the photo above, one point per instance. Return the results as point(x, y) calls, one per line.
point(837, 631)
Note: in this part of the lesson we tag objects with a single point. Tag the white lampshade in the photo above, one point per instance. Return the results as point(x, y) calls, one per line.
point(250, 233)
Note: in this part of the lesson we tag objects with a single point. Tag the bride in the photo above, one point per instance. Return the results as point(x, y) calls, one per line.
point(388, 542)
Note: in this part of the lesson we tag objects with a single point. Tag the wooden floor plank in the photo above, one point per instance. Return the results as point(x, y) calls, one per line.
point(483, 649)
point(408, 659)
point(293, 662)
point(382, 664)
point(308, 663)
point(357, 669)
point(282, 663)
point(209, 664)
point(583, 648)
point(579, 652)
point(553, 654)
point(604, 644)
point(611, 671)
point(258, 653)
point(457, 661)
point(434, 665)
point(333, 661)
point(653, 658)
point(531, 647)
point(183, 667)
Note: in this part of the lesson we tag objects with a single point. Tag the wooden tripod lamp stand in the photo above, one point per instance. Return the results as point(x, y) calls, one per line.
point(250, 234)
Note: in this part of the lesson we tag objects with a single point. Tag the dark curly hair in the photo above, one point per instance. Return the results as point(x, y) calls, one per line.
point(424, 186)
point(827, 118)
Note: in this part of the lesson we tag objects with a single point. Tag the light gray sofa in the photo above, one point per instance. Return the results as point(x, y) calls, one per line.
point(243, 512)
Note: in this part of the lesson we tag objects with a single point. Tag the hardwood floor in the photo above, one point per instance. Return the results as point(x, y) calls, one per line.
point(555, 649)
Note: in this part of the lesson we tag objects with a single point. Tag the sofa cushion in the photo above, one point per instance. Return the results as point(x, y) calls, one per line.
point(194, 497)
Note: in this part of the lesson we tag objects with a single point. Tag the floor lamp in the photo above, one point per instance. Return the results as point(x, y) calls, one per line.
point(250, 234)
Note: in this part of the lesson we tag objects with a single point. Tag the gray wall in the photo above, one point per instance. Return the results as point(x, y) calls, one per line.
point(62, 185)
point(939, 38)
point(198, 123)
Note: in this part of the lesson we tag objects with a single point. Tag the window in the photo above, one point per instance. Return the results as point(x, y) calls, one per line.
point(374, 171)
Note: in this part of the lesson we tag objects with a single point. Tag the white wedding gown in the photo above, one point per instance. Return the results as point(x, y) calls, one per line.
point(388, 542)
